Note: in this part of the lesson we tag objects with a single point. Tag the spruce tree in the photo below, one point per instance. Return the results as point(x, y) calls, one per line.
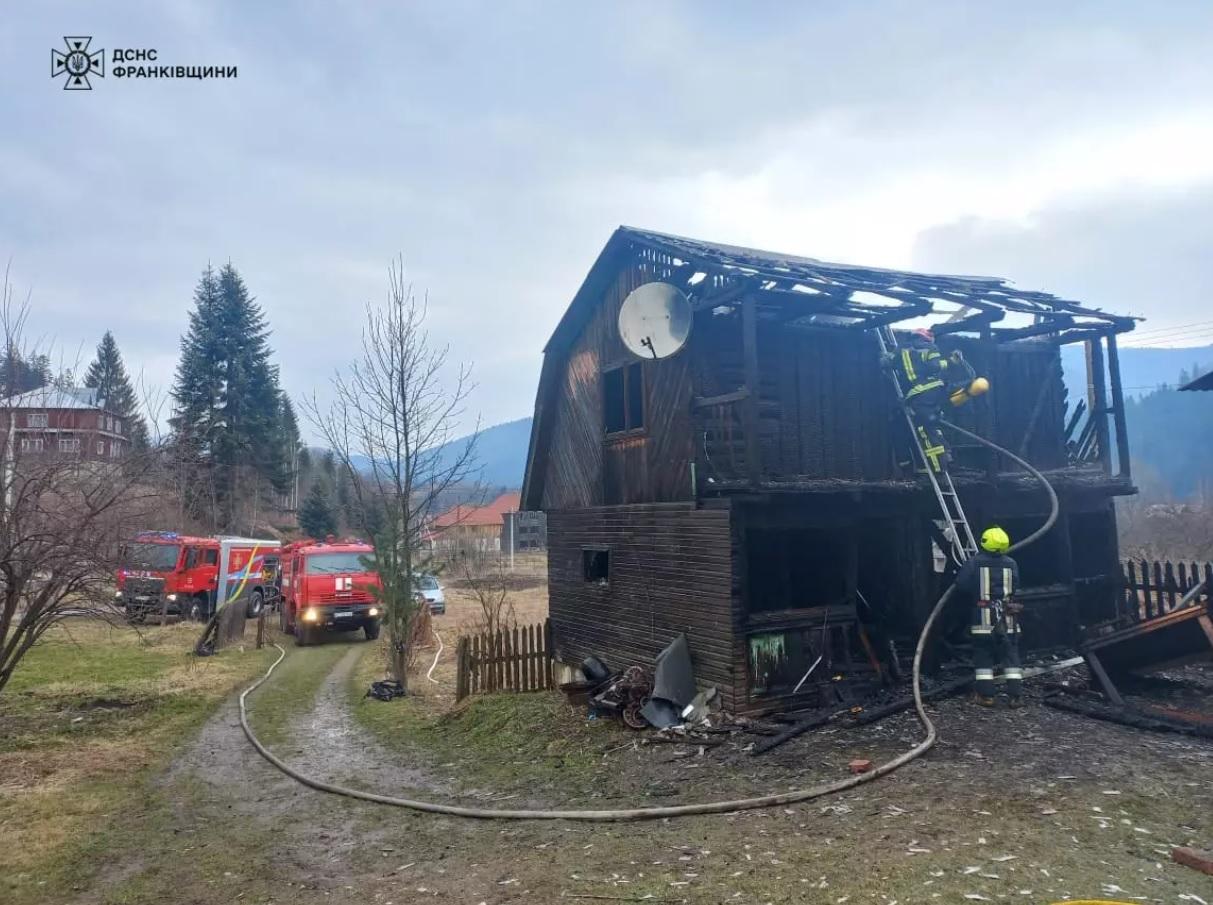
point(19, 374)
point(227, 403)
point(317, 517)
point(107, 375)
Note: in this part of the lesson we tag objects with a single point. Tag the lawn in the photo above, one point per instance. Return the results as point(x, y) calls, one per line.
point(90, 714)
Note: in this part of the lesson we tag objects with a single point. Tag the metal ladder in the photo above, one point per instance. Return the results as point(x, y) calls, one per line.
point(958, 531)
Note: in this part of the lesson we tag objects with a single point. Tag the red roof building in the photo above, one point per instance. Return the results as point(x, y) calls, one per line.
point(476, 527)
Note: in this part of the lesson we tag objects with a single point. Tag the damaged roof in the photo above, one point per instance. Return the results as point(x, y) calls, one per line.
point(792, 288)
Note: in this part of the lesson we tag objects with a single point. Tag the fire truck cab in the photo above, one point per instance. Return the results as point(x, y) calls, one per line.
point(165, 571)
point(326, 586)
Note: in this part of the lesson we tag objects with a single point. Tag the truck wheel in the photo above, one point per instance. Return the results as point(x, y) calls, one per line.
point(303, 636)
point(256, 602)
point(372, 630)
point(284, 622)
point(195, 610)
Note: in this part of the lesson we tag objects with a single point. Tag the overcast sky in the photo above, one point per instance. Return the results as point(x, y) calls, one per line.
point(496, 145)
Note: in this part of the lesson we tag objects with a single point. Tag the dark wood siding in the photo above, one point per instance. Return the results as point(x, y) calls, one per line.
point(650, 465)
point(670, 572)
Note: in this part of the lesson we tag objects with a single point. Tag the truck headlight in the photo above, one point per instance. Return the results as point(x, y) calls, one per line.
point(310, 615)
point(373, 611)
point(171, 598)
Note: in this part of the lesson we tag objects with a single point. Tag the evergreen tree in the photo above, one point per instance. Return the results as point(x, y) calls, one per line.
point(291, 455)
point(317, 516)
point(20, 375)
point(228, 411)
point(107, 375)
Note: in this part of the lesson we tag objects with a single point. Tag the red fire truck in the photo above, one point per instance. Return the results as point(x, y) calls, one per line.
point(327, 586)
point(162, 570)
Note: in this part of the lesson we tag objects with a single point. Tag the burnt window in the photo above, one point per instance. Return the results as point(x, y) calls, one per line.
point(623, 398)
point(596, 564)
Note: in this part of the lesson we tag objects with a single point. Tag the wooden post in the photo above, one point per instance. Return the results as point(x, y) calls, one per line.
point(749, 349)
point(1109, 688)
point(261, 629)
point(1159, 598)
point(1118, 409)
point(547, 653)
point(989, 423)
point(461, 669)
point(1097, 400)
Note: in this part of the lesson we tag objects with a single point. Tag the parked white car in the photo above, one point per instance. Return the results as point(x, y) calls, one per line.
point(431, 589)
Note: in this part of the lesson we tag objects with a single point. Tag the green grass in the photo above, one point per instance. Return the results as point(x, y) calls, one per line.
point(91, 713)
point(505, 741)
point(291, 690)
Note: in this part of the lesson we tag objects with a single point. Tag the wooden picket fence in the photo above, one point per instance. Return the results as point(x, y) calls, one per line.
point(1155, 588)
point(517, 659)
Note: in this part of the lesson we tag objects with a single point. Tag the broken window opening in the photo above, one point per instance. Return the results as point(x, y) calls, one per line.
point(596, 565)
point(623, 398)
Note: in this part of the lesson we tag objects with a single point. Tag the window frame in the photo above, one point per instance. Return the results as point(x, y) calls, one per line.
point(69, 445)
point(631, 372)
point(37, 419)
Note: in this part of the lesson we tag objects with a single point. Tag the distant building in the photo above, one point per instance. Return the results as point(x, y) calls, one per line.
point(55, 421)
point(524, 530)
point(469, 528)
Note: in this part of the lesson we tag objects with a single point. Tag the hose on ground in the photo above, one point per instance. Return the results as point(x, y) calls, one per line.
point(684, 810)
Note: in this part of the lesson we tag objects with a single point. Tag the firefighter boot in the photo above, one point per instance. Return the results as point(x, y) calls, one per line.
point(982, 700)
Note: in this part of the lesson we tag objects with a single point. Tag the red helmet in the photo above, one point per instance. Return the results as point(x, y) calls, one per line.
point(924, 333)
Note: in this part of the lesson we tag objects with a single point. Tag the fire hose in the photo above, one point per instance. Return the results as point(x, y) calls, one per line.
point(684, 810)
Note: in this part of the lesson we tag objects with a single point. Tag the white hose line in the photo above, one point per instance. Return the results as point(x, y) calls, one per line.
point(430, 675)
point(683, 810)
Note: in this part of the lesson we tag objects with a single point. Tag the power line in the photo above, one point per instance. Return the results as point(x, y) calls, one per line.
point(1173, 329)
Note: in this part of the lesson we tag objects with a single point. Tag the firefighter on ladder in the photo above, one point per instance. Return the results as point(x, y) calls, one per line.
point(989, 579)
point(928, 380)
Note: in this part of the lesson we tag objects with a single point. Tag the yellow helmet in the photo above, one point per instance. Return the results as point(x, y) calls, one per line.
point(995, 540)
point(979, 387)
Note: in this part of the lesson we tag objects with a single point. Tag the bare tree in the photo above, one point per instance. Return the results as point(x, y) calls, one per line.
point(62, 520)
point(487, 578)
point(393, 416)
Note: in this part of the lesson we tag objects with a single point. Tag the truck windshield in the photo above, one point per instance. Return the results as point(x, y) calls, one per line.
point(331, 563)
point(153, 557)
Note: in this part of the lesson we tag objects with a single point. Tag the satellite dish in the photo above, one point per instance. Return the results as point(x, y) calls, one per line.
point(655, 320)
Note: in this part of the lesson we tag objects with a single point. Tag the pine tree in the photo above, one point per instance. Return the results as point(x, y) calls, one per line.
point(291, 447)
point(107, 375)
point(20, 375)
point(317, 517)
point(227, 401)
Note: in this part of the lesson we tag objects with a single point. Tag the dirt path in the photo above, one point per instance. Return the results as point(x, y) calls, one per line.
point(1006, 804)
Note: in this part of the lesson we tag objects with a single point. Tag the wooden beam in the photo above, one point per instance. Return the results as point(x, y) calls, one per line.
point(703, 402)
point(749, 347)
point(1118, 409)
point(1097, 399)
point(1109, 688)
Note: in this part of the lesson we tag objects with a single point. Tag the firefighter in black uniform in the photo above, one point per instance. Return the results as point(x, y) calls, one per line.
point(928, 380)
point(989, 579)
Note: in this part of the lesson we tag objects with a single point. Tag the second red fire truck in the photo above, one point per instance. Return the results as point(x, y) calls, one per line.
point(329, 586)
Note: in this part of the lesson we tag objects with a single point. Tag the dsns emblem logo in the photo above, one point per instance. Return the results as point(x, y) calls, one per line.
point(77, 64)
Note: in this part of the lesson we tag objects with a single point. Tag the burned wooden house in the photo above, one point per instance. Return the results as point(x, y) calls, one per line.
point(753, 490)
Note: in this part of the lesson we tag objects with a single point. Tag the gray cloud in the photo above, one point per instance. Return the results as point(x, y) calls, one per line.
point(1141, 253)
point(497, 145)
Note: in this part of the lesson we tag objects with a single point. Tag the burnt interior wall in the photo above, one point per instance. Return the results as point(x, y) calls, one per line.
point(670, 571)
point(1025, 408)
